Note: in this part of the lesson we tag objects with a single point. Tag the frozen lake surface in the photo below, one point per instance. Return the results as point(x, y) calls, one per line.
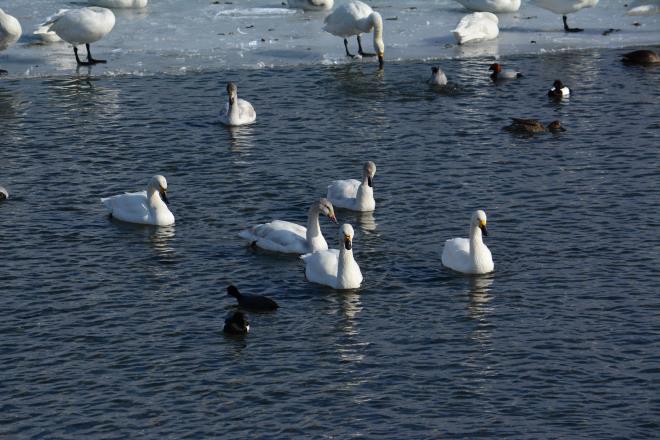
point(178, 36)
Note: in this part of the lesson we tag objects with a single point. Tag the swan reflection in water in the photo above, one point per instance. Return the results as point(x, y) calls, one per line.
point(478, 305)
point(241, 138)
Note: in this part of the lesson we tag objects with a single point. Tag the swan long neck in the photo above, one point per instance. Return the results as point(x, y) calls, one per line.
point(153, 196)
point(234, 112)
point(345, 259)
point(377, 23)
point(313, 225)
point(364, 190)
point(476, 239)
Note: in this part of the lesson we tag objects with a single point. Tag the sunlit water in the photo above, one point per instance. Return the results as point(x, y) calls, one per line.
point(109, 330)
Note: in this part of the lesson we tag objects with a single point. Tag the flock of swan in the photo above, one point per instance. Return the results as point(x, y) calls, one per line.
point(336, 268)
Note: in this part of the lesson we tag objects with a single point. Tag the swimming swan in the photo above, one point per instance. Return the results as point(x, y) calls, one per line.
point(237, 111)
point(478, 26)
point(145, 207)
point(353, 194)
point(355, 18)
point(82, 26)
point(291, 238)
point(332, 267)
point(565, 7)
point(493, 6)
point(312, 5)
point(10, 32)
point(471, 255)
point(119, 4)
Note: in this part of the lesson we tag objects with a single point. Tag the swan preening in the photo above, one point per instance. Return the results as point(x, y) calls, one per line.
point(119, 4)
point(287, 237)
point(493, 6)
point(146, 207)
point(438, 77)
point(354, 194)
point(355, 18)
point(237, 111)
point(311, 5)
point(81, 26)
point(332, 267)
point(478, 26)
point(564, 7)
point(559, 90)
point(10, 32)
point(469, 255)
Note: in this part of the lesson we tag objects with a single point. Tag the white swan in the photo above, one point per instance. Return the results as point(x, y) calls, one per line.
point(291, 238)
point(564, 7)
point(332, 267)
point(478, 26)
point(355, 18)
point(10, 32)
point(471, 255)
point(145, 207)
point(237, 111)
point(119, 4)
point(646, 8)
point(494, 6)
point(82, 26)
point(354, 194)
point(438, 77)
point(46, 35)
point(311, 5)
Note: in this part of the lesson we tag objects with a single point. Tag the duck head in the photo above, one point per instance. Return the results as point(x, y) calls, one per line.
point(556, 127)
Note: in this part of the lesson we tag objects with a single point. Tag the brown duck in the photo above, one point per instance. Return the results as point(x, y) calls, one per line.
point(533, 126)
point(641, 57)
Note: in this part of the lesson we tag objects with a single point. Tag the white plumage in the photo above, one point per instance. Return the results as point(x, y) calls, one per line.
point(335, 268)
point(237, 111)
point(438, 77)
point(145, 207)
point(564, 7)
point(494, 6)
point(10, 30)
point(469, 255)
point(354, 194)
point(475, 27)
point(119, 4)
point(288, 237)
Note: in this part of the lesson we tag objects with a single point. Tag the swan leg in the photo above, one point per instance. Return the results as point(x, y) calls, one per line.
point(348, 54)
point(361, 52)
point(567, 29)
point(80, 63)
point(89, 56)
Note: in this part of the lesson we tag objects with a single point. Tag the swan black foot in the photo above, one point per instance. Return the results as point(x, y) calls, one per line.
point(568, 29)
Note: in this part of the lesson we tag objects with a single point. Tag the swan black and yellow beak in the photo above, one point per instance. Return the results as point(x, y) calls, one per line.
point(332, 217)
point(370, 181)
point(348, 242)
point(163, 195)
point(482, 226)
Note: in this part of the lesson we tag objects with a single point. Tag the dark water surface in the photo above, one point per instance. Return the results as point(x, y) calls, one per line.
point(109, 330)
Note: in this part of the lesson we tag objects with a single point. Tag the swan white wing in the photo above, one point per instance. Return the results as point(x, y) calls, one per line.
point(246, 111)
point(478, 26)
point(342, 193)
point(119, 3)
point(456, 254)
point(311, 5)
point(129, 207)
point(565, 6)
point(321, 267)
point(10, 30)
point(494, 6)
point(46, 35)
point(278, 236)
point(345, 19)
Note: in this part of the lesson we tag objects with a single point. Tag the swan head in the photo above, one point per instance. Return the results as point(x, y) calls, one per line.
point(556, 127)
point(232, 91)
point(159, 183)
point(479, 221)
point(346, 236)
point(495, 67)
point(325, 206)
point(379, 46)
point(369, 171)
point(236, 323)
point(233, 291)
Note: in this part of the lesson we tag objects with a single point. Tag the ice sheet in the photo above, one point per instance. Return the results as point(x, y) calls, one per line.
point(187, 35)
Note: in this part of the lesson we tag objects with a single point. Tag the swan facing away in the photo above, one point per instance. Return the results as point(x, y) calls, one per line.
point(311, 5)
point(291, 238)
point(10, 32)
point(469, 255)
point(354, 194)
point(493, 6)
point(478, 26)
point(237, 111)
point(119, 4)
point(82, 26)
point(559, 90)
point(145, 207)
point(564, 7)
point(335, 268)
point(355, 18)
point(438, 77)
